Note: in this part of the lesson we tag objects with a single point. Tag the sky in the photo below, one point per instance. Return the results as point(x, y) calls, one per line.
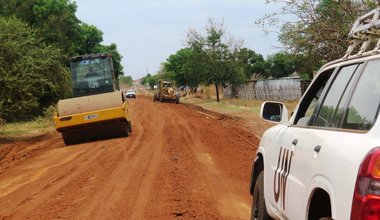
point(147, 32)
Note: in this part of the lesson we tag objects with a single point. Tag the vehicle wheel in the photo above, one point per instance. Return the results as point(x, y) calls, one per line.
point(161, 99)
point(176, 100)
point(259, 210)
point(124, 130)
point(130, 127)
point(68, 139)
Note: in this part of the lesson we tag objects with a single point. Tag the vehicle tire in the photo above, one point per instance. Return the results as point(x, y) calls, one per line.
point(124, 129)
point(177, 100)
point(68, 139)
point(161, 99)
point(259, 210)
point(130, 127)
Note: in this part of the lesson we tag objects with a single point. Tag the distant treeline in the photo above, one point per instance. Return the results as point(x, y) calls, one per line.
point(312, 33)
point(211, 57)
point(37, 38)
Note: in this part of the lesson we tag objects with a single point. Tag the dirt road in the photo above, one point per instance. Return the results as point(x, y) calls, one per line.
point(178, 163)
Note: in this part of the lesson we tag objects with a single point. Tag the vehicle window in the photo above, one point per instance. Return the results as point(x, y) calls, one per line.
point(331, 111)
point(309, 103)
point(339, 113)
point(313, 104)
point(91, 75)
point(364, 105)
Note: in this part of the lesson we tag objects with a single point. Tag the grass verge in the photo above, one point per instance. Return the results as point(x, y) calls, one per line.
point(233, 105)
point(27, 128)
point(36, 126)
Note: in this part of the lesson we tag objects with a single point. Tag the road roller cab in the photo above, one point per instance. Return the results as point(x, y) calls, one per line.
point(97, 110)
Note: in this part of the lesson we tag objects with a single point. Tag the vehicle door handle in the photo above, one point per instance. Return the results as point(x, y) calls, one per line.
point(317, 148)
point(294, 142)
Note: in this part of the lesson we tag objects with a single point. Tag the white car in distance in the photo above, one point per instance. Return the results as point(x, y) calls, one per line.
point(130, 93)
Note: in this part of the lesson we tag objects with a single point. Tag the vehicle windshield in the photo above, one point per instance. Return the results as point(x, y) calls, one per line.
point(166, 84)
point(92, 76)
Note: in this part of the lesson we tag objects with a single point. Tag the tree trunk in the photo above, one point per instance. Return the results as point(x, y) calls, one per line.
point(217, 92)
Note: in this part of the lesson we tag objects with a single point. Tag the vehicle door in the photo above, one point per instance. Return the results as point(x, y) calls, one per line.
point(297, 145)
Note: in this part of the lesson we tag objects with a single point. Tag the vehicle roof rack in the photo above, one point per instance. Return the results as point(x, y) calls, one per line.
point(366, 30)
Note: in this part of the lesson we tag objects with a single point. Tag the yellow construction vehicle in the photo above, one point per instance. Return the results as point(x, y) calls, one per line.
point(166, 92)
point(97, 110)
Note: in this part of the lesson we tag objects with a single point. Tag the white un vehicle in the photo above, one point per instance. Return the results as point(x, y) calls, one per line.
point(324, 162)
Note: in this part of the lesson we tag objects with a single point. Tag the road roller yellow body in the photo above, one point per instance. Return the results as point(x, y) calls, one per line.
point(97, 110)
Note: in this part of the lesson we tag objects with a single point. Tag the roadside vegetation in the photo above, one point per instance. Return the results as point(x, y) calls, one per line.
point(33, 127)
point(36, 41)
point(232, 106)
point(39, 36)
point(211, 57)
point(36, 126)
point(312, 33)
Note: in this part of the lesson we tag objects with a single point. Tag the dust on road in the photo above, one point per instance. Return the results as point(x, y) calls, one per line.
point(177, 163)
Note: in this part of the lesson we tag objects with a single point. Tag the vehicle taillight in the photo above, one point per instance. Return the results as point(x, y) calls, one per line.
point(366, 201)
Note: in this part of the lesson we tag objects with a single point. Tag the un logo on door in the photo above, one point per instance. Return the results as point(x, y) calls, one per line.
point(281, 175)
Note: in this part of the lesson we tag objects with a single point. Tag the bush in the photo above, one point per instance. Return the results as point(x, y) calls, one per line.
point(32, 74)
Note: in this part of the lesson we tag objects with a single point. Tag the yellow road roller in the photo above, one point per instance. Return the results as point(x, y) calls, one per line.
point(97, 110)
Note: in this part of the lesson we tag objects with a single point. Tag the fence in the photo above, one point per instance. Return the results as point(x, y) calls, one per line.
point(278, 89)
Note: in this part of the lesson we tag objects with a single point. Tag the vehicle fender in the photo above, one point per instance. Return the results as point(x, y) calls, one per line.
point(322, 182)
point(260, 159)
point(257, 166)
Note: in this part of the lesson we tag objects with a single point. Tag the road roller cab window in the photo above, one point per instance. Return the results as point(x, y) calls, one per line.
point(92, 75)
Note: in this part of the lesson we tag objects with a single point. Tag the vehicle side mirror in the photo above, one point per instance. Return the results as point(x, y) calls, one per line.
point(274, 112)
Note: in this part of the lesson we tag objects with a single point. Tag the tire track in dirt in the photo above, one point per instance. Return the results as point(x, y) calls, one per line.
point(218, 183)
point(128, 193)
point(41, 180)
point(109, 193)
point(68, 180)
point(191, 189)
point(176, 164)
point(74, 192)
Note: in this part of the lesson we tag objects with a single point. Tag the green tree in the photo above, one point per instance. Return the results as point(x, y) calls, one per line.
point(54, 20)
point(45, 34)
point(90, 39)
point(150, 80)
point(144, 80)
point(32, 75)
point(116, 57)
point(216, 56)
point(127, 80)
point(317, 29)
point(251, 62)
point(281, 64)
point(163, 73)
point(57, 25)
point(183, 68)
